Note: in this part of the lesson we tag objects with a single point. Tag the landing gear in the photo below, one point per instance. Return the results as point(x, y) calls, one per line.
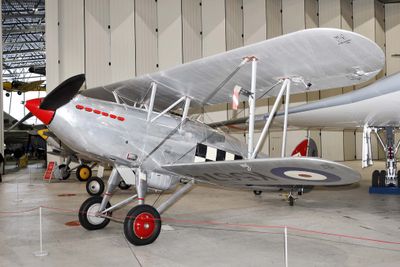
point(65, 171)
point(142, 225)
point(123, 186)
point(19, 93)
point(390, 176)
point(88, 214)
point(95, 186)
point(257, 192)
point(83, 172)
point(291, 200)
point(7, 94)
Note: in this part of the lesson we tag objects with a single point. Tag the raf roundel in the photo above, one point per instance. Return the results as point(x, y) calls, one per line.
point(305, 174)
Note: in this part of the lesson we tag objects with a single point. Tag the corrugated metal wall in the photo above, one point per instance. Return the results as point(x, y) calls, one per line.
point(98, 42)
point(112, 40)
point(71, 38)
point(122, 22)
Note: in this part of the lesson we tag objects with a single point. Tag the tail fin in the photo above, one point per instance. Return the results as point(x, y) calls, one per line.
point(306, 148)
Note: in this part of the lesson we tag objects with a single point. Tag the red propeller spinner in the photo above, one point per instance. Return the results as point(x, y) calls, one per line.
point(44, 115)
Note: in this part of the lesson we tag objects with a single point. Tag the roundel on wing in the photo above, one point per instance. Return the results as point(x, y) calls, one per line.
point(305, 174)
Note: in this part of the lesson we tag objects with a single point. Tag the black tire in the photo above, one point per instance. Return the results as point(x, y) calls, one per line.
point(123, 186)
point(382, 179)
point(64, 174)
point(398, 178)
point(375, 178)
point(300, 191)
point(257, 192)
point(95, 186)
point(89, 207)
point(291, 200)
point(19, 93)
point(7, 94)
point(83, 173)
point(135, 225)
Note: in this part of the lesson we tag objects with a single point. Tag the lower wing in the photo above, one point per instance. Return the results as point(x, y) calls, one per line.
point(259, 173)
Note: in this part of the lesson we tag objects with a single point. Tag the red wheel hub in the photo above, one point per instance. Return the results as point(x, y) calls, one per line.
point(144, 225)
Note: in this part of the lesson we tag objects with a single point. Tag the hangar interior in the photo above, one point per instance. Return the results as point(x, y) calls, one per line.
point(115, 40)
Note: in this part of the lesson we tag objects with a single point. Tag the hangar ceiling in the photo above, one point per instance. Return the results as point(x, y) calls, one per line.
point(23, 37)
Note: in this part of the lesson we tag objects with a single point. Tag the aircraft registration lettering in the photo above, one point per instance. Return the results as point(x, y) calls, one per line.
point(233, 176)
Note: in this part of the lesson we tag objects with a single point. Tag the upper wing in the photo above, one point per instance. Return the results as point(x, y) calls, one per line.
point(266, 172)
point(326, 58)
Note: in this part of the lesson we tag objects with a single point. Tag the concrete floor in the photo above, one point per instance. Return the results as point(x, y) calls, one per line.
point(211, 227)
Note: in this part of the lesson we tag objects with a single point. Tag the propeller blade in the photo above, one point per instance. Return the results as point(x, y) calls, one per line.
point(27, 116)
point(63, 93)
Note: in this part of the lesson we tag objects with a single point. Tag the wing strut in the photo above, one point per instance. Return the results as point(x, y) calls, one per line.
point(285, 88)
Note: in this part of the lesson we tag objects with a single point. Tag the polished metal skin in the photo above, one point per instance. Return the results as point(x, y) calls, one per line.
point(115, 141)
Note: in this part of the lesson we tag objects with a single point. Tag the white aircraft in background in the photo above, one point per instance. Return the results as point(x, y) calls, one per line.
point(373, 109)
point(154, 149)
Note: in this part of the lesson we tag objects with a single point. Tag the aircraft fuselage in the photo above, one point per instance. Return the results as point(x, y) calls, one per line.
point(120, 134)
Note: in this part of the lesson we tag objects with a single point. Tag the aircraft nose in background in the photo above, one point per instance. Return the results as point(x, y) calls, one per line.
point(44, 115)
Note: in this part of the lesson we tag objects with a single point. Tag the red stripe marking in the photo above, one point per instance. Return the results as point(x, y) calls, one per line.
point(88, 109)
point(121, 118)
point(79, 106)
point(97, 111)
point(104, 114)
point(140, 198)
point(112, 116)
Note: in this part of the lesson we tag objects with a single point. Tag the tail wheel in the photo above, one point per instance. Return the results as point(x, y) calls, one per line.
point(257, 192)
point(87, 214)
point(95, 186)
point(291, 200)
point(375, 178)
point(65, 171)
point(124, 186)
point(382, 179)
point(83, 173)
point(142, 225)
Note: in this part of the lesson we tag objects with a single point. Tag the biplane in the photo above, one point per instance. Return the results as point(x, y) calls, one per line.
point(130, 126)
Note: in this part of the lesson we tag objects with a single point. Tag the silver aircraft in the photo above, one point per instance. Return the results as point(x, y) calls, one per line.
point(129, 124)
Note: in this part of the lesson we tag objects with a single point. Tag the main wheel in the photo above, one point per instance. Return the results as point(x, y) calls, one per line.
point(83, 173)
point(95, 186)
point(142, 225)
point(87, 213)
point(19, 93)
point(375, 178)
point(257, 192)
point(7, 94)
point(291, 200)
point(124, 186)
point(65, 171)
point(382, 178)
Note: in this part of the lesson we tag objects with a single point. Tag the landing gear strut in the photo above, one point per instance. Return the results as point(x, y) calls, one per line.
point(390, 176)
point(142, 224)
